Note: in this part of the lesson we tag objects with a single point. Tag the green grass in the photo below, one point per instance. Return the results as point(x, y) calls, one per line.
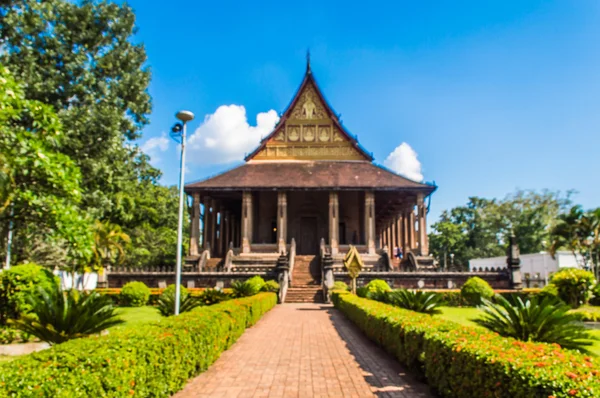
point(463, 315)
point(137, 315)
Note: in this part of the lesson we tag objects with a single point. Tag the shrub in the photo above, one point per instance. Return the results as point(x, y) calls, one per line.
point(539, 319)
point(574, 285)
point(362, 291)
point(9, 335)
point(135, 294)
point(418, 301)
point(248, 288)
point(475, 289)
point(467, 362)
point(58, 316)
point(257, 283)
point(339, 285)
point(19, 282)
point(595, 300)
point(378, 285)
point(213, 296)
point(166, 302)
point(270, 286)
point(156, 360)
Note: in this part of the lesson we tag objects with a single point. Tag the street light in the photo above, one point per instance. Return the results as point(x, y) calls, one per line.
point(178, 134)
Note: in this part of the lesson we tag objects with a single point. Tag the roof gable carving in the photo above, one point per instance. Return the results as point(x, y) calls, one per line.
point(309, 130)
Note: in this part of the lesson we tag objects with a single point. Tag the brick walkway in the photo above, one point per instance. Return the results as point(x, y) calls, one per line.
point(304, 350)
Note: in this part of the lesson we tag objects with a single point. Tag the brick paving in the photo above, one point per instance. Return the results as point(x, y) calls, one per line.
point(304, 350)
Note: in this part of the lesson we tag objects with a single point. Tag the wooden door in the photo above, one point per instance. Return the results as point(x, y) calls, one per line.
point(308, 242)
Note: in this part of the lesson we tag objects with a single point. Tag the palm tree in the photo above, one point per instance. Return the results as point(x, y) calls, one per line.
point(108, 244)
point(544, 320)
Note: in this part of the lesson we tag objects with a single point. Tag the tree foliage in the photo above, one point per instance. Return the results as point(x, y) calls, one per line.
point(80, 59)
point(578, 231)
point(481, 228)
point(39, 185)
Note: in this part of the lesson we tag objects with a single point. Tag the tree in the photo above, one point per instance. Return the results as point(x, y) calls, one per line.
point(578, 231)
point(80, 59)
point(482, 227)
point(39, 185)
point(108, 243)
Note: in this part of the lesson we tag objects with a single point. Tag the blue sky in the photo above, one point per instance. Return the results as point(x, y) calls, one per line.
point(492, 96)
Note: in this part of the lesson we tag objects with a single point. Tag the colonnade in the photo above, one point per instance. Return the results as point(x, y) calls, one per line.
point(407, 229)
point(220, 226)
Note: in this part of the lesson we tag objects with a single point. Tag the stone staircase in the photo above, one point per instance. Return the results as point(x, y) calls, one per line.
point(305, 286)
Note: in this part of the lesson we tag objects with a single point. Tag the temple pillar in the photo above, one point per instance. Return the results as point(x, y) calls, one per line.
point(206, 223)
point(195, 224)
point(411, 229)
point(400, 229)
point(394, 235)
point(422, 220)
point(281, 221)
point(227, 232)
point(221, 240)
point(334, 210)
point(213, 226)
point(233, 229)
point(370, 221)
point(246, 221)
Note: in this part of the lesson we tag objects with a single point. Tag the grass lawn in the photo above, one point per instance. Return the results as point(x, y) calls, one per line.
point(136, 315)
point(463, 315)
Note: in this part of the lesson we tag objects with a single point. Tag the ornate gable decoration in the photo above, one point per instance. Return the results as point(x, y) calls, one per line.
point(308, 131)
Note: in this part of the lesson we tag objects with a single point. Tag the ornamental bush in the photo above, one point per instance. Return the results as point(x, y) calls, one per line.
point(339, 285)
point(378, 286)
point(574, 285)
point(467, 362)
point(17, 283)
point(475, 289)
point(270, 286)
point(135, 294)
point(154, 361)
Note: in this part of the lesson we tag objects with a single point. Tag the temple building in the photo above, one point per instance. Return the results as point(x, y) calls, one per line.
point(311, 181)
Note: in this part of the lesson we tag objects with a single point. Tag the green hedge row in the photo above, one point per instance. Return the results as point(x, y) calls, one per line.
point(459, 361)
point(453, 297)
point(154, 360)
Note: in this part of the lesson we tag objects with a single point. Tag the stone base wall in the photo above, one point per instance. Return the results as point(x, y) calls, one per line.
point(429, 280)
point(188, 279)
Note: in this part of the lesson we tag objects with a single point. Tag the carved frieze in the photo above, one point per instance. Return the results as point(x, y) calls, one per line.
point(309, 106)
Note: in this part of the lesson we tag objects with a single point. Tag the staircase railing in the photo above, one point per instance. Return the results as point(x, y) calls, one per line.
point(291, 259)
point(204, 257)
point(283, 277)
point(227, 264)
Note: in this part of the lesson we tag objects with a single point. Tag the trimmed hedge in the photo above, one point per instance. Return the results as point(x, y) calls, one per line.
point(155, 293)
point(460, 361)
point(156, 360)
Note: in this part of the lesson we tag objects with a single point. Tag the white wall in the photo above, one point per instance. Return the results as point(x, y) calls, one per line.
point(90, 280)
point(537, 264)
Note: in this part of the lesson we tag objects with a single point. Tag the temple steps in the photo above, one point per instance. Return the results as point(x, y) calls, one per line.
point(304, 287)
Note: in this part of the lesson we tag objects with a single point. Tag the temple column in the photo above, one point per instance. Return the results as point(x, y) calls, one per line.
point(394, 240)
point(422, 220)
point(281, 221)
point(400, 229)
point(406, 231)
point(411, 229)
point(213, 226)
point(233, 229)
point(195, 224)
point(388, 230)
point(334, 209)
point(370, 221)
point(246, 221)
point(206, 223)
point(227, 232)
point(221, 236)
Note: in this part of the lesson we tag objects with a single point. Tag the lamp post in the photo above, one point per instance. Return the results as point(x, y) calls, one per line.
point(178, 132)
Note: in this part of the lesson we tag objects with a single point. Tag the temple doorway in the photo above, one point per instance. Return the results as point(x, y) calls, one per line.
point(308, 240)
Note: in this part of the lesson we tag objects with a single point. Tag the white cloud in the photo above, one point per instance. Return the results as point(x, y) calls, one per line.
point(225, 136)
point(153, 146)
point(403, 160)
